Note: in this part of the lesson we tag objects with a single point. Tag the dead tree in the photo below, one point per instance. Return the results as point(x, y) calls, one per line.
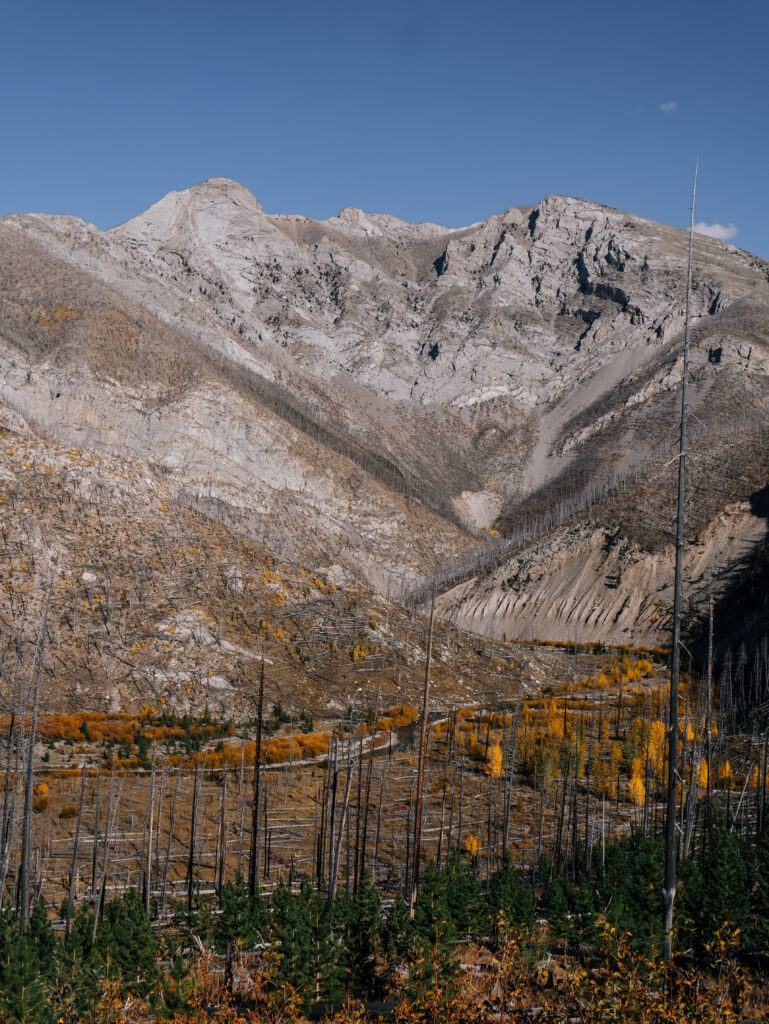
point(338, 852)
point(222, 840)
point(73, 866)
point(112, 810)
point(193, 824)
point(26, 838)
point(253, 861)
point(362, 866)
point(9, 798)
point(421, 765)
point(171, 826)
point(11, 789)
point(151, 824)
point(669, 885)
point(708, 707)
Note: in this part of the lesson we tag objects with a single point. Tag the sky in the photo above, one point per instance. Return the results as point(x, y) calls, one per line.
point(446, 112)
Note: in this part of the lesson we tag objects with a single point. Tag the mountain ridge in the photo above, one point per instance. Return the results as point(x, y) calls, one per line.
point(488, 374)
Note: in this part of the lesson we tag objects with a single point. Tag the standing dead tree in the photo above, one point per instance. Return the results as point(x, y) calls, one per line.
point(193, 824)
point(362, 864)
point(421, 766)
point(171, 826)
point(26, 838)
point(669, 885)
point(73, 866)
point(253, 861)
point(338, 851)
point(11, 788)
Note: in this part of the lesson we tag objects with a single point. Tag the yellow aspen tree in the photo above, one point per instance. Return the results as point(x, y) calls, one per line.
point(656, 743)
point(493, 766)
point(472, 845)
point(637, 787)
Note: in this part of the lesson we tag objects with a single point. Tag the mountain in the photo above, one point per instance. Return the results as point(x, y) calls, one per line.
point(489, 410)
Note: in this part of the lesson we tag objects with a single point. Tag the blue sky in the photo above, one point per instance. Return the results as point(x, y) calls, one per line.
point(445, 111)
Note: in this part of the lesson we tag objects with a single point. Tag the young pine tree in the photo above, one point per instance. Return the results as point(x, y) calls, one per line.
point(363, 939)
point(243, 921)
point(434, 933)
point(715, 891)
point(396, 932)
point(24, 991)
point(301, 934)
point(508, 895)
point(126, 943)
point(464, 897)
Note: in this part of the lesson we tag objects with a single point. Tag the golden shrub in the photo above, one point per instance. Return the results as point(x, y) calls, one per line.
point(472, 845)
point(314, 744)
point(41, 798)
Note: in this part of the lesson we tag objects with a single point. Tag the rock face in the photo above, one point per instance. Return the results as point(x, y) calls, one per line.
point(369, 394)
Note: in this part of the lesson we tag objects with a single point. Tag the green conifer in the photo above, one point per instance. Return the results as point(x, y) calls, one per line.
point(301, 933)
point(44, 940)
point(508, 895)
point(629, 889)
point(717, 894)
point(464, 897)
point(759, 932)
point(363, 939)
point(434, 931)
point(126, 941)
point(396, 933)
point(242, 921)
point(24, 992)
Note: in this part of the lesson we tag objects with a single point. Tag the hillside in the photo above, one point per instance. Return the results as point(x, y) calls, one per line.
point(381, 404)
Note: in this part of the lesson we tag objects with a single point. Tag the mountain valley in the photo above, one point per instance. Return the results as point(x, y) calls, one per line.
point(487, 412)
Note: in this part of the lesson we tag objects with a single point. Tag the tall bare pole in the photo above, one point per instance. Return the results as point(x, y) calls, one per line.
point(193, 824)
point(336, 854)
point(112, 809)
point(9, 807)
point(222, 841)
point(171, 825)
point(151, 829)
point(669, 887)
point(362, 866)
point(73, 867)
point(708, 749)
point(29, 773)
point(253, 860)
point(421, 769)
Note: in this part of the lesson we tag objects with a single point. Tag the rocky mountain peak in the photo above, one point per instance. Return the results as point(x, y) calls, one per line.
point(202, 207)
point(371, 393)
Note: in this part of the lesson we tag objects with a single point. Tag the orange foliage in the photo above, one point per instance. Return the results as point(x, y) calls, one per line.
point(279, 750)
point(397, 717)
point(637, 787)
point(41, 798)
point(493, 766)
point(472, 845)
point(476, 750)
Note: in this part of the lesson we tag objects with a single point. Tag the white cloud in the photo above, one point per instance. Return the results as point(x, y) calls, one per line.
point(723, 231)
point(669, 107)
